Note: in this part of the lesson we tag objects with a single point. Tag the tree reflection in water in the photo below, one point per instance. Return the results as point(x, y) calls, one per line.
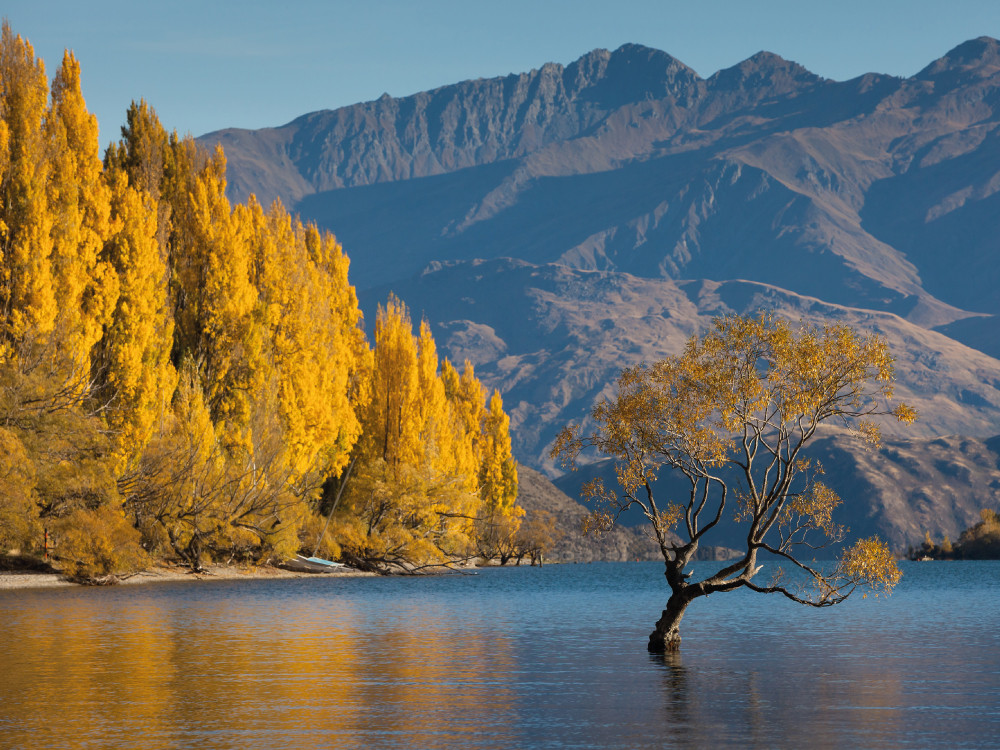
point(91, 666)
point(542, 658)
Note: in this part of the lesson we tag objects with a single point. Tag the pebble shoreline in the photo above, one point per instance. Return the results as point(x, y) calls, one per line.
point(30, 580)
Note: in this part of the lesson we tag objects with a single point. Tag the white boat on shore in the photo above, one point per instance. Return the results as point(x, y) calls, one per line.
point(304, 564)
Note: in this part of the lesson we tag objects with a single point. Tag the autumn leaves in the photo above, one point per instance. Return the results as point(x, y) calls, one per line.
point(732, 414)
point(435, 470)
point(183, 377)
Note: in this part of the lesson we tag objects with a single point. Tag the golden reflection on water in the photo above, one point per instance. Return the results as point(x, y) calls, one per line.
point(510, 659)
point(139, 673)
point(64, 672)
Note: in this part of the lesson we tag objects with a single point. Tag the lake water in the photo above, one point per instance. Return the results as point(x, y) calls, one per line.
point(514, 658)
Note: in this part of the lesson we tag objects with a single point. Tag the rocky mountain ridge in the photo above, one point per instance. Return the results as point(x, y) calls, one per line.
point(671, 163)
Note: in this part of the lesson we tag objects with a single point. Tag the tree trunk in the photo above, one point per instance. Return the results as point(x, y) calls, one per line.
point(666, 638)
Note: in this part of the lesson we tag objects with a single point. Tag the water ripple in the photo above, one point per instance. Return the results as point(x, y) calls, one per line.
point(547, 658)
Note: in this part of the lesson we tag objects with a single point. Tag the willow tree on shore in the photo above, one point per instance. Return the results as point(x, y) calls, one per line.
point(732, 415)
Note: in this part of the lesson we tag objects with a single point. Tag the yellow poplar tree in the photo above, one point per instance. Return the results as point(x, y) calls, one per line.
point(311, 316)
point(387, 517)
point(339, 344)
point(445, 449)
point(185, 165)
point(416, 496)
point(230, 343)
point(488, 429)
point(437, 435)
point(27, 298)
point(167, 168)
point(142, 151)
point(86, 287)
point(133, 357)
point(392, 419)
point(56, 295)
point(497, 468)
point(465, 401)
point(500, 517)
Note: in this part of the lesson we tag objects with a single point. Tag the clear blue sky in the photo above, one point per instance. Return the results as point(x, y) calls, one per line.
point(210, 64)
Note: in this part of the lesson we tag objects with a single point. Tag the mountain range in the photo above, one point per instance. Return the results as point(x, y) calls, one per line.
point(557, 225)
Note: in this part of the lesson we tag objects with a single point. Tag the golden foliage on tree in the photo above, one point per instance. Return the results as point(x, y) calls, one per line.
point(465, 397)
point(227, 335)
point(86, 285)
point(202, 366)
point(500, 517)
point(98, 546)
point(981, 541)
point(136, 379)
point(19, 526)
point(434, 476)
point(403, 505)
point(27, 294)
point(311, 320)
point(868, 562)
point(732, 414)
point(497, 468)
point(536, 535)
point(266, 323)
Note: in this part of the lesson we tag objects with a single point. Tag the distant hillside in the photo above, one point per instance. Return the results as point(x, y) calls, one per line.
point(624, 543)
point(901, 491)
point(557, 225)
point(536, 493)
point(553, 339)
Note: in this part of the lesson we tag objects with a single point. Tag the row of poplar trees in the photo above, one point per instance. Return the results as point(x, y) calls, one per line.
point(184, 377)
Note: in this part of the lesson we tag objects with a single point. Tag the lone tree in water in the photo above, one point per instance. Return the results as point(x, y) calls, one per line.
point(732, 415)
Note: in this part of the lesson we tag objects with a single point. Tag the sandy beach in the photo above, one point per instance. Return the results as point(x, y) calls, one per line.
point(160, 573)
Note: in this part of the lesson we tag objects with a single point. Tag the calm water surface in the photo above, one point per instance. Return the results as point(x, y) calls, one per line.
point(521, 658)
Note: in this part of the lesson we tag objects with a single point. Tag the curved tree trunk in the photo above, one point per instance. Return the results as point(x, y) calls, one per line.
point(666, 638)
